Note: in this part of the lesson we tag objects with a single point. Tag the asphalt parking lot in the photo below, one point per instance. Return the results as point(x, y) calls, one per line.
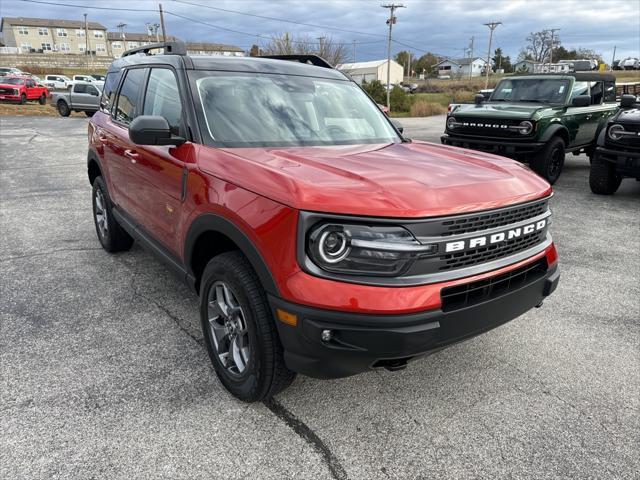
point(103, 373)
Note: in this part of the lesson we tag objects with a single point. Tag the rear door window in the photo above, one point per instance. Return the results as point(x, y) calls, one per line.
point(109, 90)
point(127, 105)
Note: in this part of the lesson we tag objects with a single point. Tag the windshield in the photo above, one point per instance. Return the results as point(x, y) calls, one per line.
point(531, 90)
point(267, 110)
point(12, 81)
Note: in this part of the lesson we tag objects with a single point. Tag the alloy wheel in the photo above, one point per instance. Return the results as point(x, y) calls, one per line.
point(228, 328)
point(101, 214)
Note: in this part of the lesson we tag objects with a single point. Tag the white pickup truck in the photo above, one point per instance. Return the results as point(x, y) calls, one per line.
point(82, 97)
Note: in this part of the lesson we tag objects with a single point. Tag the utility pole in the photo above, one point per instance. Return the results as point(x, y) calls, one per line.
point(409, 72)
point(164, 31)
point(492, 26)
point(86, 39)
point(613, 59)
point(553, 32)
point(321, 48)
point(390, 22)
point(471, 57)
point(354, 51)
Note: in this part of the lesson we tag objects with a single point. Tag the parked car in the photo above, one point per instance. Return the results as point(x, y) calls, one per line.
point(9, 71)
point(87, 79)
point(618, 152)
point(630, 64)
point(536, 119)
point(58, 82)
point(320, 240)
point(616, 65)
point(21, 89)
point(98, 77)
point(81, 97)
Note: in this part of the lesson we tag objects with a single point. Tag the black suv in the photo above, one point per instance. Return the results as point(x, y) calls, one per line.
point(618, 152)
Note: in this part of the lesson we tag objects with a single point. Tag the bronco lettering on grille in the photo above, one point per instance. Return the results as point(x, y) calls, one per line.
point(495, 237)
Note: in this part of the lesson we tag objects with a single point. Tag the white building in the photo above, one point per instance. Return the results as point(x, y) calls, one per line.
point(461, 67)
point(374, 70)
point(530, 66)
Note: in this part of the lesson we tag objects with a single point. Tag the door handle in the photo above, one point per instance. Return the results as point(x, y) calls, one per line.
point(133, 156)
point(102, 139)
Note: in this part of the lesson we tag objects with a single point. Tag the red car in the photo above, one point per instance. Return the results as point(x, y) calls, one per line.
point(319, 239)
point(15, 88)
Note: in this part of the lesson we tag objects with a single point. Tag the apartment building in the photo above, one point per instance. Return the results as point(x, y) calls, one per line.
point(43, 35)
point(120, 42)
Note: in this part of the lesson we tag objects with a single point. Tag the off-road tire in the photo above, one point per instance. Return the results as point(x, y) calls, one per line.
point(115, 239)
point(42, 100)
point(63, 108)
point(23, 99)
point(603, 178)
point(265, 374)
point(548, 162)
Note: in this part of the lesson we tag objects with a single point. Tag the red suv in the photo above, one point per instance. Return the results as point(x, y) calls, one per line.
point(319, 239)
point(19, 89)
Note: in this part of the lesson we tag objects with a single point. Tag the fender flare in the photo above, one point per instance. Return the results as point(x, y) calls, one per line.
point(92, 156)
point(554, 129)
point(601, 135)
point(210, 222)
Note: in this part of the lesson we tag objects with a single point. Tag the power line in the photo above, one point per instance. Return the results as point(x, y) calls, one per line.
point(75, 5)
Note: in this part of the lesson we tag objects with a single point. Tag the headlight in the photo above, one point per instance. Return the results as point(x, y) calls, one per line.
point(16, 91)
point(616, 132)
point(365, 249)
point(525, 127)
point(451, 123)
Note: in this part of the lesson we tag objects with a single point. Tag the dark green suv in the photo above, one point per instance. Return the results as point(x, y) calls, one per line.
point(536, 119)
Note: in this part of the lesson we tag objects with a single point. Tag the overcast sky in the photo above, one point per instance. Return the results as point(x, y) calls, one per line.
point(441, 26)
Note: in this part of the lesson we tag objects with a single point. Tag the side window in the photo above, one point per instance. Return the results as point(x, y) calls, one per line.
point(596, 93)
point(579, 88)
point(109, 90)
point(163, 97)
point(80, 88)
point(91, 90)
point(609, 91)
point(128, 97)
point(31, 84)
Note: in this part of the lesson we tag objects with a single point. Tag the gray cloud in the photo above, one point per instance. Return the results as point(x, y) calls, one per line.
point(441, 26)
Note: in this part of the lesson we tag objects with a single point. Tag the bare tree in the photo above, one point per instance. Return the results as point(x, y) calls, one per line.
point(284, 44)
point(538, 45)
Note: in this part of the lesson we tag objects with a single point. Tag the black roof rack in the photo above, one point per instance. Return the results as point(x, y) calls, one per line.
point(170, 48)
point(308, 59)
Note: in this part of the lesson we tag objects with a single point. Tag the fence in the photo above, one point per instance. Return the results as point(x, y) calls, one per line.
point(49, 62)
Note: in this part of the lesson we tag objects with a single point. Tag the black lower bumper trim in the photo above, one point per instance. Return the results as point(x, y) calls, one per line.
point(626, 161)
point(360, 341)
point(494, 145)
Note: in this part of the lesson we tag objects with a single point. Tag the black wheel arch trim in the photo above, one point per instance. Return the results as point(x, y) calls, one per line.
point(92, 156)
point(210, 222)
point(555, 129)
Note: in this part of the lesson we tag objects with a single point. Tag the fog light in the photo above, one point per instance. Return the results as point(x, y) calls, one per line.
point(326, 335)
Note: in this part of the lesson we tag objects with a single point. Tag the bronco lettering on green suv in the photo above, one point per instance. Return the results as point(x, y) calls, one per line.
point(536, 119)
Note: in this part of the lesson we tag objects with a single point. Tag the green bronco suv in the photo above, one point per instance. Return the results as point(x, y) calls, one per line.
point(536, 119)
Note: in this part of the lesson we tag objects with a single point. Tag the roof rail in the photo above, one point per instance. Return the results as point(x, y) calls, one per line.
point(308, 59)
point(170, 48)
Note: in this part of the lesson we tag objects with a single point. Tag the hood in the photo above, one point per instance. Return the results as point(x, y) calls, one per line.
point(9, 85)
point(416, 179)
point(631, 115)
point(504, 110)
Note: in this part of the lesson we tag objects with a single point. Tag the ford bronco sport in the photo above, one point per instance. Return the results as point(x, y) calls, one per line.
point(618, 152)
point(536, 119)
point(319, 239)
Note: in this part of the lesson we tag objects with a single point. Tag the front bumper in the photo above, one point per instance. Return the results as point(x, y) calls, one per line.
point(626, 161)
point(9, 98)
point(496, 146)
point(360, 342)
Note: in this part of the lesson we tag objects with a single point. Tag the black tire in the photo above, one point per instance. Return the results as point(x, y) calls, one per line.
point(89, 114)
point(549, 161)
point(23, 99)
point(603, 178)
point(265, 373)
point(113, 238)
point(42, 100)
point(63, 108)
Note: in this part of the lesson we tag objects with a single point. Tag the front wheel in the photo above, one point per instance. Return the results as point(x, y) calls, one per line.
point(23, 99)
point(603, 178)
point(549, 161)
point(239, 330)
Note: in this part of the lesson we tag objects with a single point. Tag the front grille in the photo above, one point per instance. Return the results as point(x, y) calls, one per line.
point(468, 294)
point(491, 252)
point(485, 221)
point(632, 142)
point(486, 127)
point(6, 91)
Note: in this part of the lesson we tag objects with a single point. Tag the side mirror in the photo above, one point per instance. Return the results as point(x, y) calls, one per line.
point(581, 101)
point(478, 99)
point(398, 126)
point(152, 130)
point(627, 101)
